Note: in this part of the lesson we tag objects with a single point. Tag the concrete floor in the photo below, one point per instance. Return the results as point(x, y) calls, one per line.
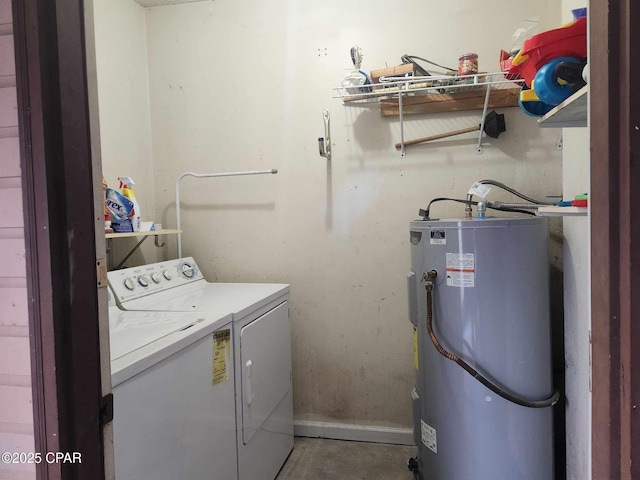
point(322, 459)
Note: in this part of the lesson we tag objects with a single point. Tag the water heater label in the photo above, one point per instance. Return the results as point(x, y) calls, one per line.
point(461, 270)
point(429, 437)
point(479, 189)
point(438, 237)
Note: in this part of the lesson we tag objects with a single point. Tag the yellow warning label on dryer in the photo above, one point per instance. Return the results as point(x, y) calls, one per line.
point(415, 348)
point(221, 352)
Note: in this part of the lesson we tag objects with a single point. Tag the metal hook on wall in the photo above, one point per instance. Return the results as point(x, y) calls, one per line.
point(324, 144)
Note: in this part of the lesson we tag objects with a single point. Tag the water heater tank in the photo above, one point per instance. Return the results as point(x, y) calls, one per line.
point(490, 303)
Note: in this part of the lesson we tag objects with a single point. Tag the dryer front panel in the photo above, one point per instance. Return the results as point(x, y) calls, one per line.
point(265, 354)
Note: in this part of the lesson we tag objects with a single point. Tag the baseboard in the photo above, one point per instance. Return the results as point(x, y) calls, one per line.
point(359, 433)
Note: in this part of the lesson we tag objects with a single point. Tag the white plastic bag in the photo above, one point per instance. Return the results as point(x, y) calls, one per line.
point(356, 80)
point(527, 28)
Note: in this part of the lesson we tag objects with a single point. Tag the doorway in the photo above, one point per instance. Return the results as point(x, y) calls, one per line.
point(62, 234)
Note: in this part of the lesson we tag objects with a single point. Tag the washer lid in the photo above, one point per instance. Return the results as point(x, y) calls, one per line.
point(129, 331)
point(215, 298)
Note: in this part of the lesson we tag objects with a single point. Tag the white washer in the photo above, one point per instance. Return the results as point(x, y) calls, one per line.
point(262, 350)
point(173, 388)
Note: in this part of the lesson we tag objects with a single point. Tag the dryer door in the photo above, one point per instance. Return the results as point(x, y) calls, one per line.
point(265, 353)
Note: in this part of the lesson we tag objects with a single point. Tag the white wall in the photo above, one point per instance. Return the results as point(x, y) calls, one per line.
point(577, 298)
point(16, 406)
point(240, 85)
point(123, 95)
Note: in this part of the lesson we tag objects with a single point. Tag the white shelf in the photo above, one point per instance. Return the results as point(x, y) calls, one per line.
point(391, 87)
point(142, 234)
point(570, 113)
point(563, 211)
point(399, 87)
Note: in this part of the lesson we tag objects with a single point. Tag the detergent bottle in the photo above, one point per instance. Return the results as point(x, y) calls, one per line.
point(136, 219)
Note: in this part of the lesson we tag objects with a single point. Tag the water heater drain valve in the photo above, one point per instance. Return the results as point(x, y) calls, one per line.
point(429, 276)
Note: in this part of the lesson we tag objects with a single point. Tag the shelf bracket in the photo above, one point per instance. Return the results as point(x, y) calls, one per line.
point(122, 262)
point(402, 150)
point(136, 247)
point(484, 115)
point(401, 115)
point(142, 235)
point(560, 142)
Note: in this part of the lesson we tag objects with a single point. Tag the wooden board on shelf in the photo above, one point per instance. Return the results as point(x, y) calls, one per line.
point(450, 102)
point(400, 70)
point(142, 234)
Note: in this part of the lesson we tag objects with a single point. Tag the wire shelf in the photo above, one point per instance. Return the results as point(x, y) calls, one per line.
point(399, 87)
point(391, 87)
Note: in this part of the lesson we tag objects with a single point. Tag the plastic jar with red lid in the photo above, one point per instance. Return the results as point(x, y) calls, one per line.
point(468, 64)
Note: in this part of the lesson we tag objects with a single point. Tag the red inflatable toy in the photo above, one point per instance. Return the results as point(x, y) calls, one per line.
point(567, 41)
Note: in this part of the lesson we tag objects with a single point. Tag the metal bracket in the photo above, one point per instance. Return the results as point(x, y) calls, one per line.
point(119, 266)
point(273, 171)
point(155, 242)
point(484, 116)
point(324, 143)
point(106, 409)
point(403, 151)
point(128, 255)
point(101, 272)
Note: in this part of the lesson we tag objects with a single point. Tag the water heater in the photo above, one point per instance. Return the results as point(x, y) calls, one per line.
point(479, 292)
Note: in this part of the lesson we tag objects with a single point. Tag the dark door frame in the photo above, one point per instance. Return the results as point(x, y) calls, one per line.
point(60, 238)
point(615, 237)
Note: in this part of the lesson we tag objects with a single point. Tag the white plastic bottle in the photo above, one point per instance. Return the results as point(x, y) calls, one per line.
point(125, 184)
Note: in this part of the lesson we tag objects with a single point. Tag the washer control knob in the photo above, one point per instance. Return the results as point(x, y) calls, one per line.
point(167, 274)
point(187, 270)
point(143, 281)
point(128, 284)
point(156, 277)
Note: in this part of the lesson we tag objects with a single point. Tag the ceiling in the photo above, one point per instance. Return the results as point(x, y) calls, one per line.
point(156, 3)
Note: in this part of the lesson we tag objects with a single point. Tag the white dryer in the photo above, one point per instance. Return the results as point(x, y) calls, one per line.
point(173, 389)
point(262, 350)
